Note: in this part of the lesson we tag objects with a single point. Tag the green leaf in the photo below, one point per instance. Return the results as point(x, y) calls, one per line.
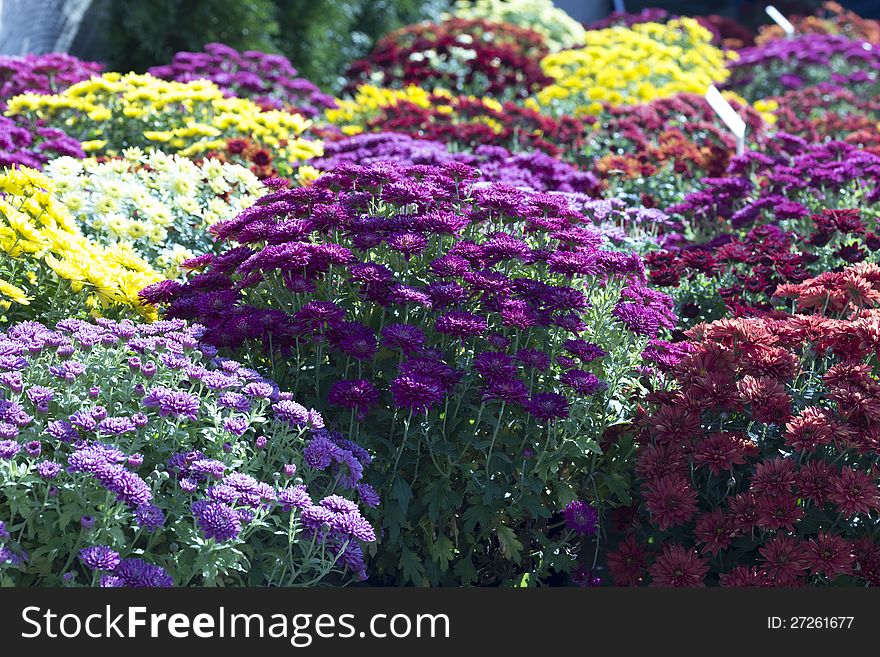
point(411, 568)
point(465, 571)
point(510, 545)
point(401, 492)
point(442, 551)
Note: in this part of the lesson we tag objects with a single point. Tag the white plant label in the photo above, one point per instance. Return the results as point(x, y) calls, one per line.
point(726, 113)
point(779, 19)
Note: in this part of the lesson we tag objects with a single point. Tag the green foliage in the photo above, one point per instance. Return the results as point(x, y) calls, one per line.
point(319, 36)
point(143, 34)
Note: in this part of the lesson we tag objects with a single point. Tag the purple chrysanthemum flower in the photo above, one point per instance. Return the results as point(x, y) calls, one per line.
point(368, 495)
point(216, 520)
point(585, 383)
point(358, 395)
point(140, 574)
point(581, 518)
point(48, 469)
point(150, 517)
point(406, 337)
point(494, 365)
point(33, 448)
point(533, 358)
point(8, 449)
point(116, 426)
point(176, 403)
point(87, 522)
point(320, 452)
point(586, 351)
point(417, 393)
point(99, 557)
point(548, 406)
point(461, 324)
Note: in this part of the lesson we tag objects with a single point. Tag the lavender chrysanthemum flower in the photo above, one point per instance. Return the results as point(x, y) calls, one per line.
point(99, 557)
point(87, 522)
point(580, 517)
point(217, 520)
point(291, 412)
point(38, 394)
point(48, 469)
point(176, 403)
point(62, 430)
point(8, 449)
point(4, 533)
point(353, 524)
point(33, 448)
point(234, 401)
point(236, 425)
point(116, 426)
point(368, 495)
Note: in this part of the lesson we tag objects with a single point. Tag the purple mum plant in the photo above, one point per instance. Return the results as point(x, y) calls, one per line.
point(478, 338)
point(268, 79)
point(179, 467)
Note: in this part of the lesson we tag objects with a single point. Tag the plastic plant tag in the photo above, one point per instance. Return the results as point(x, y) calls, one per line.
point(779, 19)
point(726, 113)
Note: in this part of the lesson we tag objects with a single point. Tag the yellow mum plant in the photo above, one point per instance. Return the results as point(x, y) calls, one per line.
point(631, 65)
point(49, 270)
point(113, 112)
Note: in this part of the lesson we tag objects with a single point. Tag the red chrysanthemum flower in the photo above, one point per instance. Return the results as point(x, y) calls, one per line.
point(744, 577)
point(854, 492)
point(715, 531)
point(785, 560)
point(830, 555)
point(627, 564)
point(678, 567)
point(809, 430)
point(720, 451)
point(773, 477)
point(671, 501)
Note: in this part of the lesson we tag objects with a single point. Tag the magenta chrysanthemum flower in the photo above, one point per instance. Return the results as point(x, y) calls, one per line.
point(585, 383)
point(405, 337)
point(548, 406)
point(581, 518)
point(416, 393)
point(358, 395)
point(461, 324)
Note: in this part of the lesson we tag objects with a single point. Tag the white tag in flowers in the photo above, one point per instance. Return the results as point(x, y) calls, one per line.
point(726, 113)
point(779, 19)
